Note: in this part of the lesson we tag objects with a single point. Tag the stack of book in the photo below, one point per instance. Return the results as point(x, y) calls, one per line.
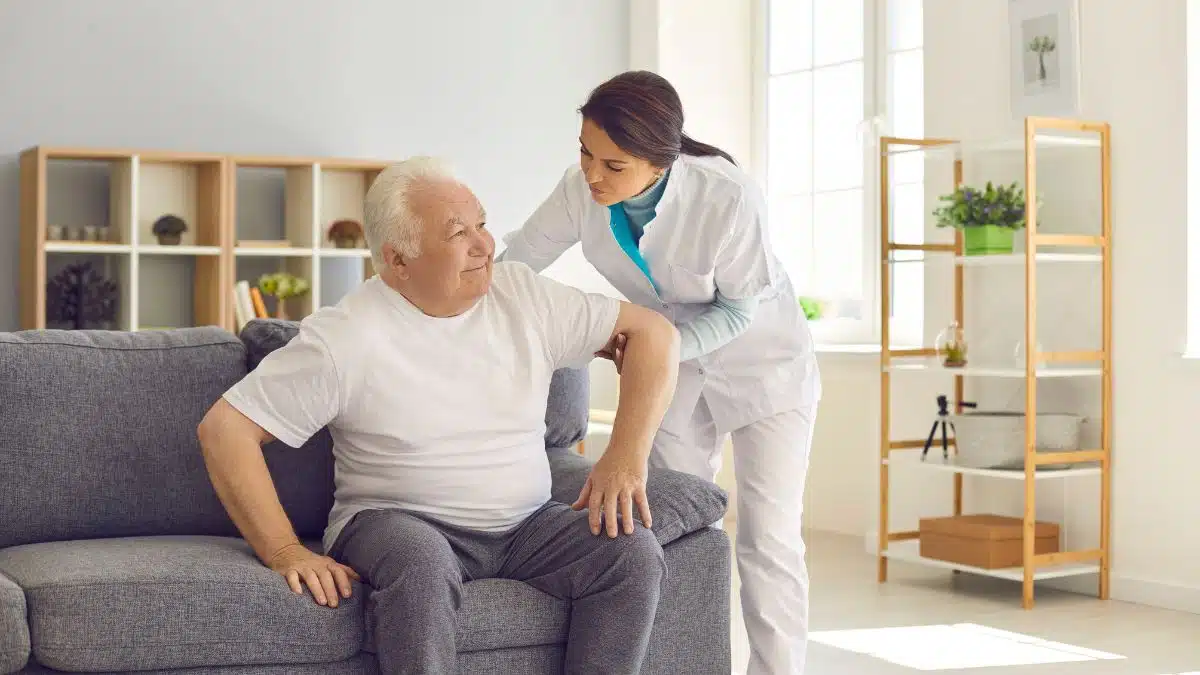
point(247, 304)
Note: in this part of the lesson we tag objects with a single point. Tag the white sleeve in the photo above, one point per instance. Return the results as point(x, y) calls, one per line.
point(548, 232)
point(575, 324)
point(293, 392)
point(743, 266)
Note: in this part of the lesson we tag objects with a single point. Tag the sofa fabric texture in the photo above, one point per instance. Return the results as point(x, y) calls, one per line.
point(119, 558)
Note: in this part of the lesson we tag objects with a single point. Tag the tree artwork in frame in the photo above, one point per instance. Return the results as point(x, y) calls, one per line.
point(1044, 57)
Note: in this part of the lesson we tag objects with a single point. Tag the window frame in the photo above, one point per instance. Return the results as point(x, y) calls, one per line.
point(876, 122)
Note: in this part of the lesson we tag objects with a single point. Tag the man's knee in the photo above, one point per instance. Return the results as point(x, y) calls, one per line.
point(414, 555)
point(640, 553)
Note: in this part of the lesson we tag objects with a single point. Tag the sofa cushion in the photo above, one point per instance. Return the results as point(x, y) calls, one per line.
point(98, 437)
point(14, 632)
point(172, 602)
point(566, 406)
point(679, 503)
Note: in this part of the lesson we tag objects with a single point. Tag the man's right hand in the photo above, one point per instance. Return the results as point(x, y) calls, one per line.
point(324, 576)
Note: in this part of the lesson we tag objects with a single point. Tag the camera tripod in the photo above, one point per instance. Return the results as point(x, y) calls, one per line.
point(942, 420)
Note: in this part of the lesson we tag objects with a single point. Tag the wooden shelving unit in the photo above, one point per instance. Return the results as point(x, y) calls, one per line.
point(1039, 134)
point(99, 205)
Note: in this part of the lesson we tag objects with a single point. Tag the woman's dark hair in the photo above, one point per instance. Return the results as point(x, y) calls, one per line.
point(643, 115)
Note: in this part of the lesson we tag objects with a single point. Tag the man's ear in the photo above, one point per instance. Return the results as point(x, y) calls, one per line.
point(396, 261)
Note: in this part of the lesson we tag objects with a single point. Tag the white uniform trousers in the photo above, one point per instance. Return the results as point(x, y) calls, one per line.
point(770, 465)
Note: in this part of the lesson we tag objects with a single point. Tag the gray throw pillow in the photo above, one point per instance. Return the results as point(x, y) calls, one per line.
point(680, 503)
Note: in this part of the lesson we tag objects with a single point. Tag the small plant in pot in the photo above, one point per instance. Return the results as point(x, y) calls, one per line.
point(282, 286)
point(169, 229)
point(987, 217)
point(346, 233)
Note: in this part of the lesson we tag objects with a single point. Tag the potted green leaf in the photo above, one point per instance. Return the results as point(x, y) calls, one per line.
point(812, 307)
point(282, 286)
point(987, 217)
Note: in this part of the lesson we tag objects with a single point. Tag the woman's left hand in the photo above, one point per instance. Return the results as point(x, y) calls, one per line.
point(613, 487)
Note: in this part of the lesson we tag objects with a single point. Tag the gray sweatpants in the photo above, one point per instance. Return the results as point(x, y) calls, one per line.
point(417, 565)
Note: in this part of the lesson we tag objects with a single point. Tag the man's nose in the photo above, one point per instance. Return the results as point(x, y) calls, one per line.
point(483, 243)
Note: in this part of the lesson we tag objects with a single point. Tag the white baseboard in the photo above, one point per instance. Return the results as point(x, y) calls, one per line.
point(1125, 589)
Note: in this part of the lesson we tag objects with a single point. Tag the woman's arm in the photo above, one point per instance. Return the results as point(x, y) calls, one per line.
point(548, 232)
point(717, 326)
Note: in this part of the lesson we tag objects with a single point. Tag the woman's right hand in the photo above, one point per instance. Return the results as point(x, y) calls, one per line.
point(614, 351)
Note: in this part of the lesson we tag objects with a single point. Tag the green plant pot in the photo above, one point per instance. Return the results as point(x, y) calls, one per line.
point(987, 240)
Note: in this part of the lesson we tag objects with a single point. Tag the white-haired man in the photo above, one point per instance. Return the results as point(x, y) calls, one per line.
point(433, 378)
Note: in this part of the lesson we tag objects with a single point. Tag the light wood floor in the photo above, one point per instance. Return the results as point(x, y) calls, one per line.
point(845, 597)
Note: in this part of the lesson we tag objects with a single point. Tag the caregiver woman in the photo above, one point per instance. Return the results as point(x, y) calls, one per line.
point(676, 226)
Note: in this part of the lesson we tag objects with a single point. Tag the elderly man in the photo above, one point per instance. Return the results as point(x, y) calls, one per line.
point(432, 378)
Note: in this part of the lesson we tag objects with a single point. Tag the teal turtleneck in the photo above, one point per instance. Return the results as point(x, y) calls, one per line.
point(640, 209)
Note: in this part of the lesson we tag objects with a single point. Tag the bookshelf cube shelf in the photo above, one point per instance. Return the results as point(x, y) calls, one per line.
point(220, 219)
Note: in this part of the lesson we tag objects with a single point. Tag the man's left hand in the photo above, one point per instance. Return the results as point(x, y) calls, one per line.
point(613, 487)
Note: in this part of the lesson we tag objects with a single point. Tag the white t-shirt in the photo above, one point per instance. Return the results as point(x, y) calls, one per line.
point(444, 416)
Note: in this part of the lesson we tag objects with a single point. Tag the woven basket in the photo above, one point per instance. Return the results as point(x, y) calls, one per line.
point(996, 439)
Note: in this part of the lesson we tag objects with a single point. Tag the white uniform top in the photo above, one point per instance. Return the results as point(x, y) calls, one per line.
point(443, 416)
point(710, 233)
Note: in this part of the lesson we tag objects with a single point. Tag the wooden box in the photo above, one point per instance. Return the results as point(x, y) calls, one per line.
point(984, 540)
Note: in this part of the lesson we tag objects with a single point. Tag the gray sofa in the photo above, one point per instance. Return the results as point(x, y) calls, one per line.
point(116, 555)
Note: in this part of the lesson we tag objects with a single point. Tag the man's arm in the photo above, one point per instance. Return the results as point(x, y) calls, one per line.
point(648, 376)
point(289, 396)
point(231, 444)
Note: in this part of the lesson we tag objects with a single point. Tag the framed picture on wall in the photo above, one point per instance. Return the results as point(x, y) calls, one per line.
point(1044, 57)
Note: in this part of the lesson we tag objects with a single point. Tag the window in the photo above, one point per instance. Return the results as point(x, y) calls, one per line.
point(838, 74)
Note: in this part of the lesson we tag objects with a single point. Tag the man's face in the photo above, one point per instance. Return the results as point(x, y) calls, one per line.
point(454, 268)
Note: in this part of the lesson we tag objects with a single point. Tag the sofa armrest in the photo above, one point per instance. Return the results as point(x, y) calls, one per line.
point(680, 503)
point(14, 629)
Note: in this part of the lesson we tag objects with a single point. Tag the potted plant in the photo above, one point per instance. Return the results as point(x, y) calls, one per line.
point(281, 286)
point(813, 309)
point(346, 233)
point(169, 229)
point(987, 217)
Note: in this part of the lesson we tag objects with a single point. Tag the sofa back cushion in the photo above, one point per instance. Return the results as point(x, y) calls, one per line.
point(98, 437)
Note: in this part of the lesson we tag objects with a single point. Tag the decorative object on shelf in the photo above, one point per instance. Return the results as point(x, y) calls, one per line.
point(942, 421)
point(952, 346)
point(169, 229)
point(1044, 57)
point(987, 217)
point(282, 286)
point(1019, 353)
point(81, 298)
point(346, 233)
point(56, 232)
point(813, 308)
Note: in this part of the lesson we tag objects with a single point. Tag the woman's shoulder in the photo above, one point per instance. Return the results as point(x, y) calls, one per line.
point(719, 180)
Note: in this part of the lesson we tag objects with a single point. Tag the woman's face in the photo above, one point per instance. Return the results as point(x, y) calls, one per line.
point(613, 174)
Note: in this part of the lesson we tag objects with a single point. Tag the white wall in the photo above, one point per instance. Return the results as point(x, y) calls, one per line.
point(494, 86)
point(1133, 77)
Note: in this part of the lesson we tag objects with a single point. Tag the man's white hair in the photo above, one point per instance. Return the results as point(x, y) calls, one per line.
point(388, 213)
